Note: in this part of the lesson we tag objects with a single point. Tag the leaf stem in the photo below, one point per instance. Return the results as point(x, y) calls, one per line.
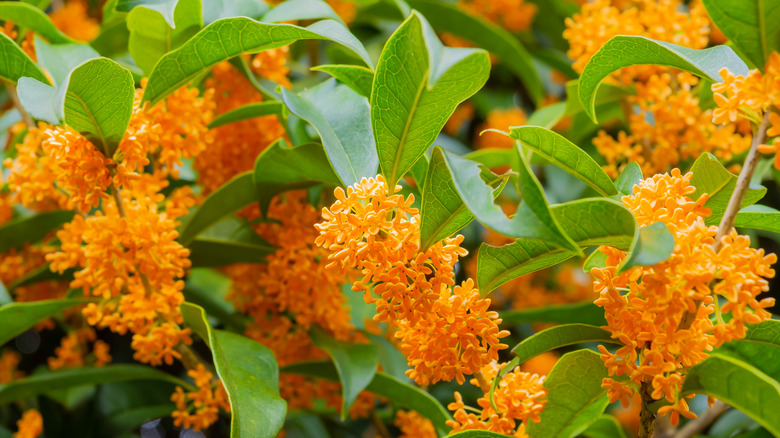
point(28, 120)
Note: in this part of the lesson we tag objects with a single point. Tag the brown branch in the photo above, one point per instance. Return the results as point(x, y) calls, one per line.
point(28, 120)
point(704, 421)
point(646, 416)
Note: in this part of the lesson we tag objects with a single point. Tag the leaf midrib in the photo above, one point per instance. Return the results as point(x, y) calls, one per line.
point(93, 120)
point(409, 119)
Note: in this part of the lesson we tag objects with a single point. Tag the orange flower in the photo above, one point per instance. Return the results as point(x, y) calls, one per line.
point(513, 15)
point(73, 20)
point(501, 120)
point(9, 360)
point(206, 401)
point(414, 425)
point(30, 425)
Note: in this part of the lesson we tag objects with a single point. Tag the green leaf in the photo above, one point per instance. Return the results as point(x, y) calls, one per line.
point(607, 93)
point(575, 399)
point(566, 155)
point(753, 27)
point(251, 377)
point(291, 10)
point(356, 77)
point(355, 363)
point(16, 318)
point(18, 232)
point(628, 178)
point(606, 426)
point(709, 176)
point(208, 289)
point(624, 51)
point(165, 8)
point(548, 116)
point(582, 313)
point(596, 259)
point(42, 274)
point(15, 64)
point(738, 384)
point(229, 37)
point(214, 10)
point(229, 241)
point(247, 112)
point(42, 101)
point(589, 222)
point(153, 34)
point(402, 395)
point(280, 168)
point(759, 348)
point(342, 119)
point(229, 198)
point(653, 244)
point(759, 217)
point(32, 18)
point(560, 336)
point(445, 17)
point(99, 102)
point(40, 383)
point(59, 60)
point(417, 86)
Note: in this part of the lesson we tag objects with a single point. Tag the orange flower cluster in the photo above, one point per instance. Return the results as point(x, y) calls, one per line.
point(73, 349)
point(512, 15)
point(500, 120)
point(414, 425)
point(28, 44)
point(17, 263)
point(345, 9)
point(9, 360)
point(749, 97)
point(644, 305)
point(519, 397)
point(205, 402)
point(74, 21)
point(445, 333)
point(30, 425)
point(460, 118)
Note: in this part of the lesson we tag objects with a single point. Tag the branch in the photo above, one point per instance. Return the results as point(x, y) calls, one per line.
point(11, 87)
point(646, 416)
point(698, 425)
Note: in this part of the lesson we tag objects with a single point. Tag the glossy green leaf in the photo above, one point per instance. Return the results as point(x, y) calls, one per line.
point(355, 364)
point(165, 8)
point(18, 232)
point(589, 222)
point(402, 395)
point(575, 399)
point(709, 176)
point(738, 384)
point(16, 318)
point(493, 157)
point(291, 10)
point(59, 60)
point(560, 336)
point(342, 119)
point(229, 37)
point(752, 26)
point(566, 155)
point(280, 168)
point(607, 93)
point(246, 112)
point(32, 18)
point(152, 34)
point(229, 241)
point(99, 102)
point(356, 77)
point(15, 64)
point(548, 116)
point(596, 259)
point(417, 86)
point(229, 198)
point(628, 178)
point(624, 51)
point(606, 426)
point(578, 313)
point(445, 17)
point(208, 289)
point(42, 274)
point(250, 374)
point(759, 217)
point(214, 10)
point(69, 378)
point(760, 348)
point(653, 244)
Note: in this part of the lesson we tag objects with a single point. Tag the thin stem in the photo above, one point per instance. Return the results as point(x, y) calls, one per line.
point(483, 384)
point(381, 429)
point(28, 120)
point(704, 421)
point(646, 416)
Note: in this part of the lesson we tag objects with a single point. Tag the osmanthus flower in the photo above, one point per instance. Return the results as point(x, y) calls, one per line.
point(414, 425)
point(9, 360)
point(73, 350)
point(460, 118)
point(501, 120)
point(73, 20)
point(644, 305)
point(30, 425)
point(445, 332)
point(199, 409)
point(519, 397)
point(513, 15)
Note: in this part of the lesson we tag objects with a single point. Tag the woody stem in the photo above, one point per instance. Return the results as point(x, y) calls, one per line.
point(646, 416)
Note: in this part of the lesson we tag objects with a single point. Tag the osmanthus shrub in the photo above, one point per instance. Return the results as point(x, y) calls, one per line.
point(389, 218)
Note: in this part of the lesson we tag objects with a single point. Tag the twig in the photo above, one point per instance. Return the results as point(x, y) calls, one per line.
point(381, 429)
point(11, 87)
point(646, 416)
point(703, 422)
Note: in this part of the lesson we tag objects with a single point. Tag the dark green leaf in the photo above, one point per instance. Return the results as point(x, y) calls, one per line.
point(99, 102)
point(653, 244)
point(229, 241)
point(15, 64)
point(709, 176)
point(606, 426)
point(400, 394)
point(584, 313)
point(628, 178)
point(15, 318)
point(566, 155)
point(738, 384)
point(342, 118)
point(575, 399)
point(230, 37)
point(355, 363)
point(759, 217)
point(18, 232)
point(753, 26)
point(251, 377)
point(246, 112)
point(759, 348)
point(624, 51)
point(32, 18)
point(447, 17)
point(229, 198)
point(560, 336)
point(208, 289)
point(60, 379)
point(291, 10)
point(42, 274)
point(130, 419)
point(356, 77)
point(214, 10)
point(417, 86)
